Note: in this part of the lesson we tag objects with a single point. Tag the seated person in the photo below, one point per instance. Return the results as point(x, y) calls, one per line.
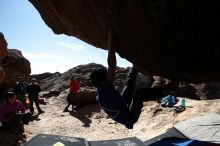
point(13, 114)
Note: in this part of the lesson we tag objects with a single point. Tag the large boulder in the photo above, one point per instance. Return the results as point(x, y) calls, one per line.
point(2, 75)
point(52, 84)
point(86, 95)
point(178, 40)
point(60, 81)
point(3, 52)
point(15, 65)
point(3, 46)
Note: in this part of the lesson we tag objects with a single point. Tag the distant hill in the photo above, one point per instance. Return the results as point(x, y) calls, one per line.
point(60, 81)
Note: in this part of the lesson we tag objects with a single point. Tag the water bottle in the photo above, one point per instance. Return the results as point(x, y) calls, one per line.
point(183, 102)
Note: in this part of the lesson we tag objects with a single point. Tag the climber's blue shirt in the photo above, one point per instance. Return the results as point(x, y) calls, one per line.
point(113, 103)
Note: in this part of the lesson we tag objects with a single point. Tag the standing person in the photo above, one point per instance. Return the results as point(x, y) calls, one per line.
point(33, 91)
point(74, 89)
point(124, 108)
point(20, 90)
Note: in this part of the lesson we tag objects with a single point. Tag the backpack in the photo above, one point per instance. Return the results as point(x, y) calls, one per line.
point(169, 101)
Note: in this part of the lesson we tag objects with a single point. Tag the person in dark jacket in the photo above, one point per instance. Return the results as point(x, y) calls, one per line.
point(20, 91)
point(33, 90)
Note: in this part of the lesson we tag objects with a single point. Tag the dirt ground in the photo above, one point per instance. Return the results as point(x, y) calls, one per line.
point(91, 123)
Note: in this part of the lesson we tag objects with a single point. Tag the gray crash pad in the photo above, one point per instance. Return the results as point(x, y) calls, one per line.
point(205, 128)
point(50, 140)
point(131, 141)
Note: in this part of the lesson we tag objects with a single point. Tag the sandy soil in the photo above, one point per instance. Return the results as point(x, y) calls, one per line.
point(92, 124)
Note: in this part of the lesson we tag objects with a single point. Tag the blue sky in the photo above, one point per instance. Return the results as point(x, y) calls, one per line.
point(24, 30)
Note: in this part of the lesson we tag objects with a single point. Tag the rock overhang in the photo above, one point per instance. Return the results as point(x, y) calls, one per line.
point(174, 39)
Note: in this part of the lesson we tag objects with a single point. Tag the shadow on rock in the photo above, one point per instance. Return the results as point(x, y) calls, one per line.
point(186, 90)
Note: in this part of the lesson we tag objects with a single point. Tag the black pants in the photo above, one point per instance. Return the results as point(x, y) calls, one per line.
point(129, 89)
point(134, 99)
point(70, 100)
point(133, 102)
point(36, 101)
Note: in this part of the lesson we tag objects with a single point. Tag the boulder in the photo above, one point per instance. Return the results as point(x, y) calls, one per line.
point(15, 65)
point(3, 52)
point(2, 74)
point(60, 81)
point(178, 40)
point(87, 95)
point(3, 46)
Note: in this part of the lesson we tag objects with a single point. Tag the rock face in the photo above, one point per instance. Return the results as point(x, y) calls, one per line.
point(85, 96)
point(15, 65)
point(3, 46)
point(60, 82)
point(55, 82)
point(12, 65)
point(178, 40)
point(2, 75)
point(3, 52)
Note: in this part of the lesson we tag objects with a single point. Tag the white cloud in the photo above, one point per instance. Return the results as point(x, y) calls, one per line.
point(45, 62)
point(43, 56)
point(73, 46)
point(37, 68)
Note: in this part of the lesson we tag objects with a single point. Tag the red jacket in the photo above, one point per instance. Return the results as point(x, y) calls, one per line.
point(74, 86)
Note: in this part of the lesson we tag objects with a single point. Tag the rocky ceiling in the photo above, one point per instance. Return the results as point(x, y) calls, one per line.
point(174, 39)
